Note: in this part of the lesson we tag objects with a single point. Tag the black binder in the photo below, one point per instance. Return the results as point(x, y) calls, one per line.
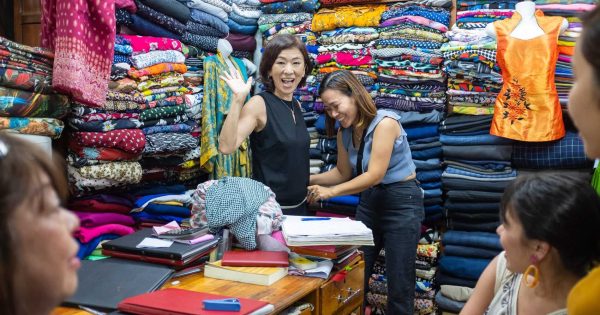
point(104, 283)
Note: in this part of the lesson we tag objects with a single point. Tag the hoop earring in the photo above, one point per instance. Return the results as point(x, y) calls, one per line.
point(534, 271)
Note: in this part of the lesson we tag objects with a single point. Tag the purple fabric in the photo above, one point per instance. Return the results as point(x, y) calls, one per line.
point(88, 219)
point(112, 199)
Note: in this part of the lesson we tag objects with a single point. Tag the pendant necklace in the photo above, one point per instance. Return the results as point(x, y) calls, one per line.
point(290, 107)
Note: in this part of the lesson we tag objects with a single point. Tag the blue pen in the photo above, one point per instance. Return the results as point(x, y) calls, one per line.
point(315, 219)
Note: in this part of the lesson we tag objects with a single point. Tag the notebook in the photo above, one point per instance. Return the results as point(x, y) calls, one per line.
point(177, 264)
point(176, 251)
point(104, 283)
point(255, 258)
point(253, 275)
point(185, 302)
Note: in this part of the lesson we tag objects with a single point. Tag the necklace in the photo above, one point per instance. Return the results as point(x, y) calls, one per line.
point(291, 107)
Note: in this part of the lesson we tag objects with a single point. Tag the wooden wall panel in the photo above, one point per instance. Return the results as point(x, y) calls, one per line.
point(27, 18)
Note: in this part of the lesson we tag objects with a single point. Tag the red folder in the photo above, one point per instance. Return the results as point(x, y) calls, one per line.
point(256, 258)
point(181, 302)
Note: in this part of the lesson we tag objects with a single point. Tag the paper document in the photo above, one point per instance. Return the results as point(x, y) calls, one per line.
point(151, 242)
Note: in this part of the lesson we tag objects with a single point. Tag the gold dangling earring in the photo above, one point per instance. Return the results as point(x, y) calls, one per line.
point(534, 271)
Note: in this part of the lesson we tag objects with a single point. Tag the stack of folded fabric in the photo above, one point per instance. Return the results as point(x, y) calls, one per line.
point(475, 5)
point(571, 10)
point(466, 254)
point(566, 153)
point(480, 18)
point(474, 78)
point(478, 169)
point(96, 227)
point(160, 205)
point(29, 105)
point(425, 286)
point(243, 24)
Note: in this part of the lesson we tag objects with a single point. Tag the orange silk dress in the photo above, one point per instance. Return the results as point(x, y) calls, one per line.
point(527, 108)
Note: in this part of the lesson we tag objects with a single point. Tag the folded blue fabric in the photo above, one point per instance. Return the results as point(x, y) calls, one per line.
point(466, 251)
point(473, 140)
point(208, 19)
point(85, 249)
point(429, 164)
point(567, 152)
point(447, 304)
point(472, 239)
point(421, 131)
point(429, 176)
point(462, 267)
point(235, 27)
point(431, 185)
point(426, 154)
point(349, 200)
point(160, 209)
point(145, 216)
point(144, 27)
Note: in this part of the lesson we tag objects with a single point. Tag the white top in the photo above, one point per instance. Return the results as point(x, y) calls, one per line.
point(506, 290)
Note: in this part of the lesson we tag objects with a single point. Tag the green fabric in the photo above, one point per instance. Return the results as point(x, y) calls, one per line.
point(596, 180)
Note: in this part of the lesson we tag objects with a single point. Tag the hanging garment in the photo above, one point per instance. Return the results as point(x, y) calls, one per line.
point(217, 101)
point(527, 107)
point(82, 35)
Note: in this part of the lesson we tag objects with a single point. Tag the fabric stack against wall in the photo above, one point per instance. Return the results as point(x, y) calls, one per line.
point(243, 24)
point(571, 10)
point(29, 104)
point(466, 254)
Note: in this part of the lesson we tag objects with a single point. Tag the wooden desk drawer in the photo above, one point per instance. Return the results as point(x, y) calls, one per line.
point(345, 296)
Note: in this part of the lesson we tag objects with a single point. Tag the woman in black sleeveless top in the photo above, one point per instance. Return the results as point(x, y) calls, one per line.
point(278, 137)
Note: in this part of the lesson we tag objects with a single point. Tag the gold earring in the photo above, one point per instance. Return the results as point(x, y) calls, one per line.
point(534, 271)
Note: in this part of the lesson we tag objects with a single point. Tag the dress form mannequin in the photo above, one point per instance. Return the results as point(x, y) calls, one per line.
point(225, 49)
point(528, 27)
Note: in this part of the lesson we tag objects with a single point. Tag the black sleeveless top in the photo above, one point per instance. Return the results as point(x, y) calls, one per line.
point(280, 156)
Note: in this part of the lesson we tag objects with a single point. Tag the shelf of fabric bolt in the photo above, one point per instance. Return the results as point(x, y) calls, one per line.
point(328, 297)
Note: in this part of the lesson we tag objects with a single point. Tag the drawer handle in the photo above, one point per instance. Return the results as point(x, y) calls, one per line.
point(351, 294)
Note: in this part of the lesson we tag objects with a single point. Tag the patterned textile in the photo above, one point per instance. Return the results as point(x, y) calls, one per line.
point(165, 121)
point(156, 57)
point(440, 16)
point(347, 16)
point(160, 81)
point(132, 141)
point(104, 126)
point(206, 43)
point(239, 211)
point(251, 12)
point(279, 18)
point(169, 101)
point(26, 51)
point(162, 112)
point(108, 116)
point(154, 16)
point(157, 69)
point(18, 103)
point(25, 80)
point(145, 44)
point(104, 154)
point(177, 128)
point(205, 30)
point(216, 103)
point(415, 19)
point(221, 4)
point(81, 69)
point(169, 142)
point(84, 185)
point(291, 6)
point(118, 96)
point(394, 52)
point(125, 85)
point(392, 43)
point(49, 127)
point(125, 172)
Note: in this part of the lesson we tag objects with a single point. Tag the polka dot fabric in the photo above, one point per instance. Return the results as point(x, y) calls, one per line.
point(131, 140)
point(82, 35)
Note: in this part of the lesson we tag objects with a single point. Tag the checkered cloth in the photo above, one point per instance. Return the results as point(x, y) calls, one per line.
point(234, 202)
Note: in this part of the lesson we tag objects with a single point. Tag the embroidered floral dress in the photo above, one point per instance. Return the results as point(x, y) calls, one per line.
point(527, 107)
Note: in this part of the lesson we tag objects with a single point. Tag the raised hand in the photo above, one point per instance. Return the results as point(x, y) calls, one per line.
point(234, 80)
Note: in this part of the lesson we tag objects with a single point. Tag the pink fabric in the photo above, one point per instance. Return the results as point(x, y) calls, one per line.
point(144, 44)
point(278, 236)
point(345, 58)
point(415, 19)
point(85, 235)
point(93, 219)
point(579, 7)
point(82, 35)
point(128, 5)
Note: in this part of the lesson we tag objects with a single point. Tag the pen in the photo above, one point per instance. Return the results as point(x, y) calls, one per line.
point(315, 219)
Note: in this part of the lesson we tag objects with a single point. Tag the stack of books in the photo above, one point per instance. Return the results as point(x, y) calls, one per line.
point(254, 267)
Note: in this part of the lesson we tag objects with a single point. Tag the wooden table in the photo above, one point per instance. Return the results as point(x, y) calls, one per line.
point(281, 294)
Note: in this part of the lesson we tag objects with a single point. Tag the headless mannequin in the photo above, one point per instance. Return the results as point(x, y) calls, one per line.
point(528, 27)
point(225, 49)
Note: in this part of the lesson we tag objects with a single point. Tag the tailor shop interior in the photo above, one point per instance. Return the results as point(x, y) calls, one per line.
point(130, 93)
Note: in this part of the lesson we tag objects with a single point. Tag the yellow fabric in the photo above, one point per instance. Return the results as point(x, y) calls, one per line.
point(169, 203)
point(584, 298)
point(527, 107)
point(347, 16)
point(471, 110)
